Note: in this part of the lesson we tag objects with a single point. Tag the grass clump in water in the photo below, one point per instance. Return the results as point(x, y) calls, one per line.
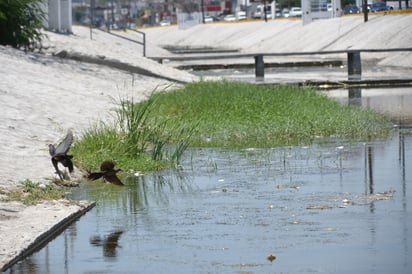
point(236, 114)
point(221, 114)
point(136, 140)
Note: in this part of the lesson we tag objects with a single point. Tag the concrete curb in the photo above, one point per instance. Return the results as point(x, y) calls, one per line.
point(50, 234)
point(113, 64)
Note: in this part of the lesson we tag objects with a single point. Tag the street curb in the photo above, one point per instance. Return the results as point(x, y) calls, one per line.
point(112, 63)
point(49, 235)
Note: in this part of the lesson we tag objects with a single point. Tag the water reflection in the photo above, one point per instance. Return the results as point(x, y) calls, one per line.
point(227, 210)
point(394, 102)
point(109, 243)
point(355, 96)
point(139, 191)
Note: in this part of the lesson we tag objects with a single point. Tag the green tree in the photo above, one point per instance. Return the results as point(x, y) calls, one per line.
point(20, 23)
point(288, 3)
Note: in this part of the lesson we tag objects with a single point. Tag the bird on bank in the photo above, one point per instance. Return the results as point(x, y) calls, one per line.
point(59, 154)
point(108, 173)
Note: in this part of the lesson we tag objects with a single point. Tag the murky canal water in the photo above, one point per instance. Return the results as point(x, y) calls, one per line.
point(331, 208)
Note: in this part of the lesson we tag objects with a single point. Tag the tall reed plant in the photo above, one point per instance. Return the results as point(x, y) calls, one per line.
point(137, 139)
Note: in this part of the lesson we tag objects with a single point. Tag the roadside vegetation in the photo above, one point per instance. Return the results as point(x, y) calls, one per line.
point(20, 23)
point(31, 193)
point(153, 134)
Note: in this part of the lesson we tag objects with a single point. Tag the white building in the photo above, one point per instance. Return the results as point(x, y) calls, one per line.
point(58, 15)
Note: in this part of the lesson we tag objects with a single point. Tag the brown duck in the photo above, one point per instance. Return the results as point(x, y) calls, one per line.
point(108, 173)
point(59, 154)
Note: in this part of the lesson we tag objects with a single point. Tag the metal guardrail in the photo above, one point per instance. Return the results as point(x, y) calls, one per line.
point(353, 58)
point(142, 43)
point(252, 55)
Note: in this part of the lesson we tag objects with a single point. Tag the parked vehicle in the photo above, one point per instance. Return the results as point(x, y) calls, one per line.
point(351, 9)
point(295, 12)
point(379, 6)
point(329, 7)
point(229, 17)
point(165, 23)
point(208, 19)
point(260, 12)
point(220, 17)
point(241, 15)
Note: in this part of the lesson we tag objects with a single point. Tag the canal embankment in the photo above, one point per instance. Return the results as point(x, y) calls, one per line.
point(44, 95)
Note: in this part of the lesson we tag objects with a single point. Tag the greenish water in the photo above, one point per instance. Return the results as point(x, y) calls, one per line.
point(331, 208)
point(334, 208)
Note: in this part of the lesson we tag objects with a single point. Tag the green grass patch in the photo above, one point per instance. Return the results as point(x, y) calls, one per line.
point(153, 134)
point(236, 114)
point(31, 193)
point(137, 140)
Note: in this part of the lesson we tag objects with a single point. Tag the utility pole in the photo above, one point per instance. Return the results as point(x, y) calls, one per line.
point(91, 18)
point(365, 10)
point(264, 10)
point(112, 14)
point(203, 11)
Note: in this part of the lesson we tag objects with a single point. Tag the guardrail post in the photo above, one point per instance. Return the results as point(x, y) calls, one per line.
point(144, 43)
point(354, 65)
point(259, 67)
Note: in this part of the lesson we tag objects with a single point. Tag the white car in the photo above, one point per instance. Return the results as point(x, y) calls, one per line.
point(165, 23)
point(241, 15)
point(295, 12)
point(229, 17)
point(208, 19)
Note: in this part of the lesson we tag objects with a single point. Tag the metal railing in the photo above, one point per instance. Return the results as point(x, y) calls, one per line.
point(142, 43)
point(353, 58)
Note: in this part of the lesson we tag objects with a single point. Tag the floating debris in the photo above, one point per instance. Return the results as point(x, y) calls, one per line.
point(320, 207)
point(370, 198)
point(232, 190)
point(347, 199)
point(246, 265)
point(287, 186)
point(271, 258)
point(137, 174)
point(304, 223)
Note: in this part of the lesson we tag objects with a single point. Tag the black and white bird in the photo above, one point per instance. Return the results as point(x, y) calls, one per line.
point(59, 154)
point(108, 173)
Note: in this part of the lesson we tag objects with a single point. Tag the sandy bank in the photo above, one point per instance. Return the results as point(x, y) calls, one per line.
point(348, 32)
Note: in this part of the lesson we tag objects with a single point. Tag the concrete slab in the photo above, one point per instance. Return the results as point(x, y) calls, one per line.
point(25, 229)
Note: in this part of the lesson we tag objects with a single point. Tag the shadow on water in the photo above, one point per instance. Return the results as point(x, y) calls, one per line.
point(337, 207)
point(109, 243)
